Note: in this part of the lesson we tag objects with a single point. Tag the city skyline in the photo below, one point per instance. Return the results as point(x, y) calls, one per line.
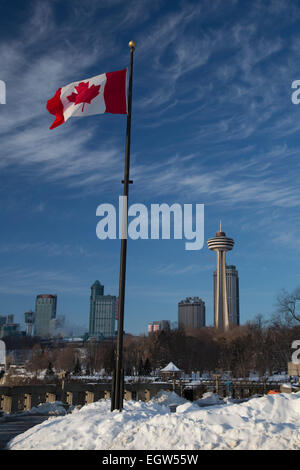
point(213, 123)
point(194, 318)
point(97, 291)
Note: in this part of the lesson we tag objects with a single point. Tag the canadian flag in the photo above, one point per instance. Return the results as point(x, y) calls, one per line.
point(104, 93)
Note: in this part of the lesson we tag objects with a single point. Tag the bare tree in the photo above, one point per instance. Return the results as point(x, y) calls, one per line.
point(65, 359)
point(288, 304)
point(40, 359)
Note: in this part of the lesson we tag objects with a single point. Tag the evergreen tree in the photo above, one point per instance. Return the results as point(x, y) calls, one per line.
point(141, 367)
point(77, 368)
point(50, 370)
point(147, 367)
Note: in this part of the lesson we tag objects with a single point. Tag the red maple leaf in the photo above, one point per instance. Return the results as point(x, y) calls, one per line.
point(85, 94)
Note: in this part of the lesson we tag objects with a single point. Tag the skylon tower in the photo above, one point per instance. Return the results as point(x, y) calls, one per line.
point(220, 243)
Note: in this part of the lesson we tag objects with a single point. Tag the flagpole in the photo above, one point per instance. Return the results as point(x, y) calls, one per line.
point(118, 379)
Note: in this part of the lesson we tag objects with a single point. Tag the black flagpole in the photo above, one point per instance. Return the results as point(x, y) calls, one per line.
point(117, 383)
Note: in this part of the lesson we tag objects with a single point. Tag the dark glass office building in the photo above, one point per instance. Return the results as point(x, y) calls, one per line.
point(102, 313)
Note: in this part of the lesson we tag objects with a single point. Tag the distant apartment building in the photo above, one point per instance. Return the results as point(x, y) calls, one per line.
point(29, 322)
point(191, 313)
point(45, 314)
point(8, 327)
point(103, 310)
point(233, 298)
point(3, 320)
point(9, 319)
point(160, 325)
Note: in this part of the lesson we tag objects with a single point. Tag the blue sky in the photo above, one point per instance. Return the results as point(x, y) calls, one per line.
point(212, 123)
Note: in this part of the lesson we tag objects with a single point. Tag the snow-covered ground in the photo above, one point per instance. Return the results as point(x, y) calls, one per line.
point(269, 422)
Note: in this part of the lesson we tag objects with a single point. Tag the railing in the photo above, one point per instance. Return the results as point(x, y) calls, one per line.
point(235, 388)
point(15, 399)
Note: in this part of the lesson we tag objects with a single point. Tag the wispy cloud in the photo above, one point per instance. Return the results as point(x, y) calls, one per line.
point(288, 239)
point(174, 270)
point(254, 180)
point(22, 281)
point(46, 248)
point(171, 51)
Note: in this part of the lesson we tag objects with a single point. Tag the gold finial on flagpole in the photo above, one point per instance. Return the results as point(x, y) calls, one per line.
point(131, 44)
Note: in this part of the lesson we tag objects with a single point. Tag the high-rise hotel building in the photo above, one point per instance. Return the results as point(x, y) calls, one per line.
point(191, 313)
point(45, 314)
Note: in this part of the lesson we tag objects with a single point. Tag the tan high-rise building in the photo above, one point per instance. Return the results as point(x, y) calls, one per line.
point(233, 299)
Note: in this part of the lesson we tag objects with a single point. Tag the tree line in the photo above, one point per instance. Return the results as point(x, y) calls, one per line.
point(252, 347)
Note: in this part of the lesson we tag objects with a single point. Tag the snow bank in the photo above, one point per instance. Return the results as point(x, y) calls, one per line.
point(209, 398)
point(168, 398)
point(54, 408)
point(269, 422)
